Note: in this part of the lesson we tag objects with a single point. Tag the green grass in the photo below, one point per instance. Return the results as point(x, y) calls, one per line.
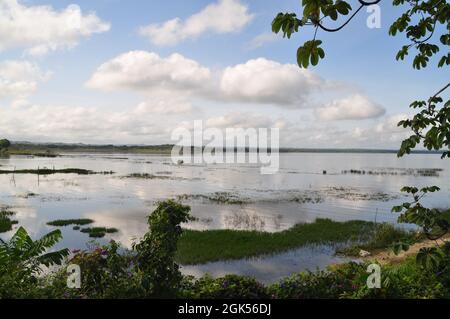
point(382, 236)
point(195, 247)
point(6, 223)
point(67, 222)
point(35, 154)
point(98, 232)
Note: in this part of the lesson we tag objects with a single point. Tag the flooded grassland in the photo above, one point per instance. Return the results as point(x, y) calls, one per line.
point(107, 196)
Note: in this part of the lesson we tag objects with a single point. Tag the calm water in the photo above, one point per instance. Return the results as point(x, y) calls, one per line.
point(300, 192)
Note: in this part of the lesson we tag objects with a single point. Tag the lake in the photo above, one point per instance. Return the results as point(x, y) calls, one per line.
point(222, 196)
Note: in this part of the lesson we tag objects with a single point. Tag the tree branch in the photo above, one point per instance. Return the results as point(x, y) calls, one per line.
point(346, 22)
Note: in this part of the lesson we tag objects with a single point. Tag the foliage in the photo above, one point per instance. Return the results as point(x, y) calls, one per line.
point(421, 22)
point(434, 224)
point(430, 126)
point(156, 251)
point(312, 285)
point(21, 259)
point(106, 273)
point(4, 144)
point(382, 236)
point(228, 287)
point(21, 252)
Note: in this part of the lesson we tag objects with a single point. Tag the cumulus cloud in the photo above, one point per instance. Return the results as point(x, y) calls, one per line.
point(258, 81)
point(224, 16)
point(18, 79)
point(355, 107)
point(390, 124)
point(40, 29)
point(148, 72)
point(269, 82)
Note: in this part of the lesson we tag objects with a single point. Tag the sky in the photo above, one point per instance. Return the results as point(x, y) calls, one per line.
point(133, 71)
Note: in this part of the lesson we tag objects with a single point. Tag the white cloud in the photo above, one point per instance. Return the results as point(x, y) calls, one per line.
point(258, 81)
point(262, 39)
point(390, 124)
point(147, 72)
point(41, 29)
point(225, 16)
point(18, 79)
point(164, 106)
point(244, 120)
point(84, 124)
point(355, 107)
point(269, 82)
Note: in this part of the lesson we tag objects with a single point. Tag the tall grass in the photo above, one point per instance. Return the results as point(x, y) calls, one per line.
point(196, 247)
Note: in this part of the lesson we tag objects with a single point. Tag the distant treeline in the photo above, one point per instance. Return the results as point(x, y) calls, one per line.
point(52, 148)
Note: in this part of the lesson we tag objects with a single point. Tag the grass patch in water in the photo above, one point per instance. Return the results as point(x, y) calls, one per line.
point(98, 232)
point(382, 236)
point(146, 176)
point(6, 223)
point(195, 247)
point(67, 222)
point(217, 197)
point(49, 171)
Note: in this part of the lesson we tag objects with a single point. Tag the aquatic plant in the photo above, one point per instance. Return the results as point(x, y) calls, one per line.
point(195, 247)
point(381, 236)
point(98, 232)
point(428, 172)
point(67, 222)
point(217, 197)
point(6, 223)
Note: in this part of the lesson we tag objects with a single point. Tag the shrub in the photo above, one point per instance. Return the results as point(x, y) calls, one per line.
point(228, 287)
point(105, 274)
point(156, 251)
point(21, 259)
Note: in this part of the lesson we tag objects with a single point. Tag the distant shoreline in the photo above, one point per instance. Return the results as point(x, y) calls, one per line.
point(42, 149)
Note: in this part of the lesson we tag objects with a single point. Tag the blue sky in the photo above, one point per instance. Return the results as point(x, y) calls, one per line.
point(352, 99)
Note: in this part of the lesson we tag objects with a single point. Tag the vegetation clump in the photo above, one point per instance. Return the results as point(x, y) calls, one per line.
point(48, 171)
point(217, 197)
point(6, 223)
point(98, 232)
point(4, 145)
point(382, 236)
point(147, 176)
point(67, 222)
point(156, 251)
point(197, 247)
point(428, 172)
